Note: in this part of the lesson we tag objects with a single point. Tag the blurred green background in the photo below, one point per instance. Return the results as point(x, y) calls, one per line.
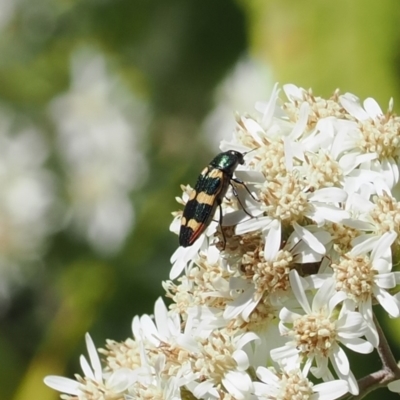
point(106, 107)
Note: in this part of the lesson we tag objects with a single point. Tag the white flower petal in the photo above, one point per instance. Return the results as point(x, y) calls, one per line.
point(397, 276)
point(329, 195)
point(358, 345)
point(289, 154)
point(253, 224)
point(238, 216)
point(266, 375)
point(339, 360)
point(149, 330)
point(357, 224)
point(253, 128)
point(325, 212)
point(363, 246)
point(287, 316)
point(383, 245)
point(350, 322)
point(352, 382)
point(388, 302)
point(330, 390)
point(63, 385)
point(283, 352)
point(161, 317)
point(213, 255)
point(237, 384)
point(346, 137)
point(323, 296)
point(293, 92)
point(241, 303)
point(390, 172)
point(178, 266)
point(241, 359)
point(385, 281)
point(309, 238)
point(94, 358)
point(351, 104)
point(372, 108)
point(270, 109)
point(298, 290)
point(250, 176)
point(335, 299)
point(371, 332)
point(263, 390)
point(247, 338)
point(187, 342)
point(351, 160)
point(383, 268)
point(122, 379)
point(395, 170)
point(87, 370)
point(301, 122)
point(203, 388)
point(272, 241)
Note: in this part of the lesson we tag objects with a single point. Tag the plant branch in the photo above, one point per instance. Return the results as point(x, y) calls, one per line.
point(389, 372)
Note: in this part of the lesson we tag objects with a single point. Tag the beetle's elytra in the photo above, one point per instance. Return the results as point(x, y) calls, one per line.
point(207, 195)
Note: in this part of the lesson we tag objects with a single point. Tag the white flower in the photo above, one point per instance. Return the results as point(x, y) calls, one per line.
point(330, 158)
point(266, 273)
point(316, 334)
point(95, 383)
point(162, 328)
point(375, 133)
point(287, 201)
point(153, 383)
point(373, 218)
point(307, 250)
point(202, 363)
point(221, 362)
point(27, 198)
point(98, 144)
point(291, 383)
point(364, 274)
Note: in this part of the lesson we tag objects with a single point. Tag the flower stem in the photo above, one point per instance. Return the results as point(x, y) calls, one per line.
point(389, 372)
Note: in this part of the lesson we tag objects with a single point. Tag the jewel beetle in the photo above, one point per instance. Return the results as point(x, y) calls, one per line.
point(207, 195)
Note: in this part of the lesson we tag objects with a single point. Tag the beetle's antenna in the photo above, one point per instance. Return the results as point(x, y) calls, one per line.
point(247, 152)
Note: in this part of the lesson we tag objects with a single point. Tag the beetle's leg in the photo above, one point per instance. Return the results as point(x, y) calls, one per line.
point(235, 193)
point(220, 224)
point(241, 183)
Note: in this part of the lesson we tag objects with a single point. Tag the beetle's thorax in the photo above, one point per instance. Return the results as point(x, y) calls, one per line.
point(227, 161)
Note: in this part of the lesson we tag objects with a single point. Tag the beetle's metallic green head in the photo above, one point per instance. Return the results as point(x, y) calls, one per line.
point(228, 161)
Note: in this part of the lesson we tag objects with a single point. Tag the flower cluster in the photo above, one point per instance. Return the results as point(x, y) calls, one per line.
point(26, 200)
point(270, 303)
point(98, 145)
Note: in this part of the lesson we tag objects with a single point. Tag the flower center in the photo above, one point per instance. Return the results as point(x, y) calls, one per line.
point(322, 170)
point(354, 276)
point(341, 236)
point(314, 334)
point(259, 320)
point(268, 276)
point(122, 355)
point(271, 159)
point(284, 198)
point(386, 214)
point(380, 136)
point(216, 358)
point(319, 108)
point(294, 386)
